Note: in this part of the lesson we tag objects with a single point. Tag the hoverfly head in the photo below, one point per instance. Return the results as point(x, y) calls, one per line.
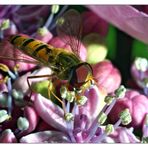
point(81, 75)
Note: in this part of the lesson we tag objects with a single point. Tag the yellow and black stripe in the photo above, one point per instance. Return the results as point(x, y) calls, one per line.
point(63, 63)
point(32, 47)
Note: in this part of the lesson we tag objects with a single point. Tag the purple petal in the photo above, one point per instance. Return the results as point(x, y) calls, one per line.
point(22, 80)
point(8, 137)
point(95, 102)
point(50, 113)
point(32, 117)
point(45, 137)
point(126, 18)
point(124, 135)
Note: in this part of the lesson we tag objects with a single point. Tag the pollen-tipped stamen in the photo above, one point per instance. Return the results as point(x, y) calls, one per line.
point(16, 68)
point(54, 10)
point(5, 68)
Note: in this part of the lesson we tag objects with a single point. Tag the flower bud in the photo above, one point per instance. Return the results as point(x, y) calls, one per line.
point(3, 116)
point(137, 105)
point(96, 50)
point(106, 75)
point(22, 123)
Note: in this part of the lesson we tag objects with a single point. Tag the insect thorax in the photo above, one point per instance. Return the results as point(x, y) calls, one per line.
point(64, 63)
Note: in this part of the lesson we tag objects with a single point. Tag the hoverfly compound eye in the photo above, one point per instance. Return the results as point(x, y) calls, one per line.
point(82, 72)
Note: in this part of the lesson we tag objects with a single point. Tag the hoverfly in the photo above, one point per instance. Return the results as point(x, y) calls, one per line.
point(65, 65)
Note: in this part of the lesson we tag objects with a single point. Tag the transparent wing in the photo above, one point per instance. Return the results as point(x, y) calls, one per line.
point(9, 52)
point(24, 60)
point(69, 28)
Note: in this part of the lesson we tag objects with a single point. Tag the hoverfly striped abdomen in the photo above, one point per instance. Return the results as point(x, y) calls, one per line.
point(34, 48)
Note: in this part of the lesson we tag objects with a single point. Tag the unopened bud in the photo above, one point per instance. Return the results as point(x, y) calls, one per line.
point(22, 123)
point(3, 116)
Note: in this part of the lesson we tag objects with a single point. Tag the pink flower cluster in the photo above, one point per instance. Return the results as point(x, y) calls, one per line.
point(106, 112)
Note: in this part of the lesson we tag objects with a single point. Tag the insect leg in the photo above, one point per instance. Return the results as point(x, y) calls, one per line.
point(49, 88)
point(36, 77)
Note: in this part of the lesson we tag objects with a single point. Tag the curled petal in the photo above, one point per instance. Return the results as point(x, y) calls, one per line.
point(22, 80)
point(8, 137)
point(126, 18)
point(50, 113)
point(11, 123)
point(45, 137)
point(124, 135)
point(32, 117)
point(94, 103)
